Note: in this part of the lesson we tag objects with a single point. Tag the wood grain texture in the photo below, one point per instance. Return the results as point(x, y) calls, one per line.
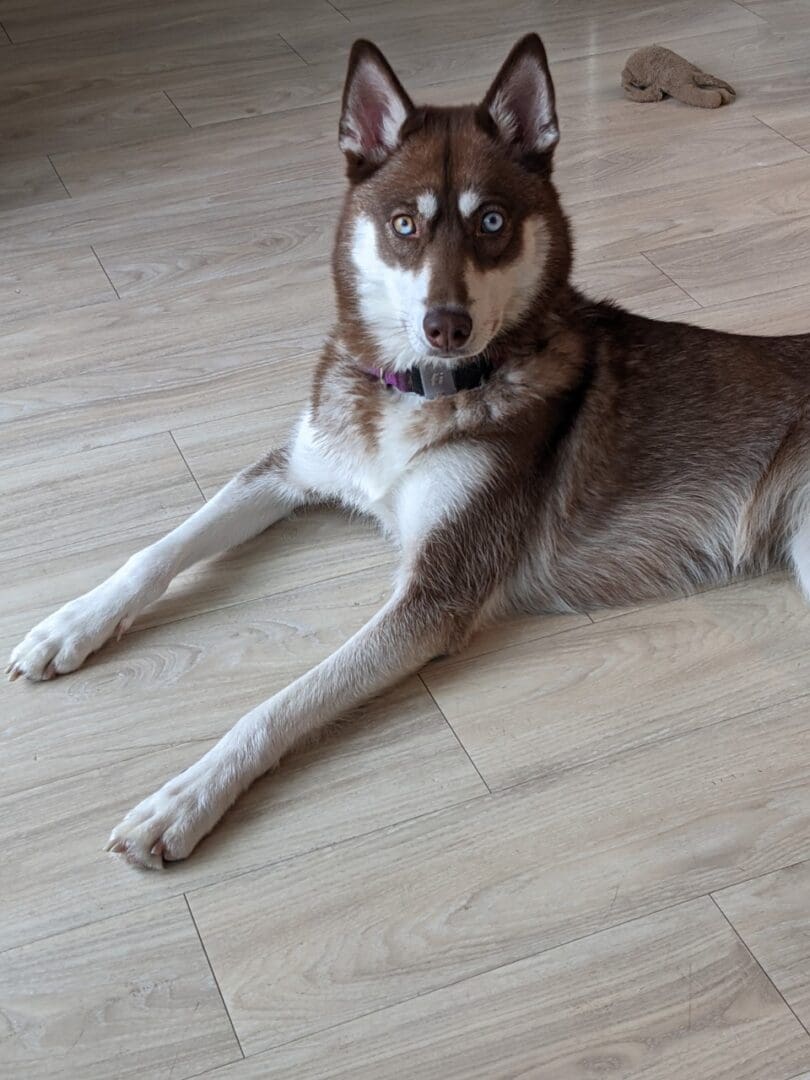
point(537, 708)
point(145, 489)
point(129, 997)
point(393, 760)
point(468, 889)
point(740, 263)
point(633, 281)
point(33, 180)
point(771, 915)
point(695, 1003)
point(53, 281)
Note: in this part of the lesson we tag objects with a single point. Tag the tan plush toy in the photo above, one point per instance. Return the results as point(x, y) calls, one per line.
point(653, 72)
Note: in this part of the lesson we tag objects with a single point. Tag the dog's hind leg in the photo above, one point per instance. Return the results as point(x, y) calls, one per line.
point(252, 501)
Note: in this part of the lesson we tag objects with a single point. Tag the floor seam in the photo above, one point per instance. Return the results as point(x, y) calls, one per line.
point(293, 48)
point(757, 961)
point(8, 35)
point(477, 974)
point(756, 14)
point(337, 9)
point(214, 977)
point(228, 877)
point(177, 108)
point(59, 178)
point(782, 135)
point(455, 733)
point(672, 280)
point(190, 471)
point(104, 271)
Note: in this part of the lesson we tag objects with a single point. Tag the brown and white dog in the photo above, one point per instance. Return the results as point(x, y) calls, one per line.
point(526, 448)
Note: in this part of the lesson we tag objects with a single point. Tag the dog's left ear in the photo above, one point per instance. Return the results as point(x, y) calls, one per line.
point(520, 103)
point(375, 106)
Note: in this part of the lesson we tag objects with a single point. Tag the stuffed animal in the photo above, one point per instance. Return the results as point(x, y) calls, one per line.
point(654, 72)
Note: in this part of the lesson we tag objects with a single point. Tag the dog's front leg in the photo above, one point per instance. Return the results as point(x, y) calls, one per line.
point(417, 624)
point(252, 501)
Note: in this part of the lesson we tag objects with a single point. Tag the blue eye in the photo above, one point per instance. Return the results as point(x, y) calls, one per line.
point(492, 222)
point(404, 225)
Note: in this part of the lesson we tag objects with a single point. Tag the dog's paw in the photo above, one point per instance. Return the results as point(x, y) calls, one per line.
point(62, 642)
point(168, 825)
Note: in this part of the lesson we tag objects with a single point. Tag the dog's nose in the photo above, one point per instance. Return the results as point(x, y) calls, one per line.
point(446, 328)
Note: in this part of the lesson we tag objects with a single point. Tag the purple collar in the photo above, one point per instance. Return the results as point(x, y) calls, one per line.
point(430, 381)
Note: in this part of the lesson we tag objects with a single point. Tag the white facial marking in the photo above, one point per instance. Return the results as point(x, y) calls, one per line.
point(428, 205)
point(499, 297)
point(468, 202)
point(392, 299)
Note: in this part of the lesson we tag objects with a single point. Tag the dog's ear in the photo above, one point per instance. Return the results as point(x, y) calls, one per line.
point(375, 106)
point(520, 103)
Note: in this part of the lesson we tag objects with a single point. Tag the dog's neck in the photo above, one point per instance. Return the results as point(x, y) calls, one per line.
point(432, 380)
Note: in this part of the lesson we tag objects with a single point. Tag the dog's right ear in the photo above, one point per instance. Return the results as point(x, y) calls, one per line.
point(375, 106)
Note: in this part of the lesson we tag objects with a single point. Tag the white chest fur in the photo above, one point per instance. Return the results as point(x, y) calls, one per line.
point(342, 467)
point(408, 488)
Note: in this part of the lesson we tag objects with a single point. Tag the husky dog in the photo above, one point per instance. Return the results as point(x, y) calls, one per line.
point(526, 448)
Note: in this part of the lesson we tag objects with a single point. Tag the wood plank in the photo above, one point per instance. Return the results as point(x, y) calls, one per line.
point(783, 312)
point(120, 24)
point(116, 371)
point(216, 450)
point(791, 119)
point(740, 263)
point(541, 707)
point(92, 1001)
point(28, 182)
point(268, 246)
point(144, 489)
point(673, 994)
point(174, 38)
point(771, 915)
point(86, 118)
point(784, 15)
point(622, 163)
point(634, 282)
point(566, 31)
point(378, 920)
point(397, 759)
point(624, 224)
point(286, 146)
point(52, 281)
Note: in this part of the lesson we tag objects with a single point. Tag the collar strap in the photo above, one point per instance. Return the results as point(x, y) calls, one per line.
point(430, 381)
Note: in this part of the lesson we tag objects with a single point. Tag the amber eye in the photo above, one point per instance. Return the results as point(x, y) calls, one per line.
point(404, 225)
point(492, 222)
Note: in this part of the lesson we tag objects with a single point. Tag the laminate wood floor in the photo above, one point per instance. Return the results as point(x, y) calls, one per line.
point(579, 850)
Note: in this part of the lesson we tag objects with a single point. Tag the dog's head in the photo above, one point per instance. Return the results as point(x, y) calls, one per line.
point(452, 230)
